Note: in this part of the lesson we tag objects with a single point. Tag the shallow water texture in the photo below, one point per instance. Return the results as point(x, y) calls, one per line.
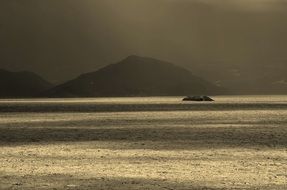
point(236, 142)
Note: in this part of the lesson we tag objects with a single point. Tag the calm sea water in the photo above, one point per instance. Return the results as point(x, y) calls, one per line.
point(229, 121)
point(235, 142)
point(143, 104)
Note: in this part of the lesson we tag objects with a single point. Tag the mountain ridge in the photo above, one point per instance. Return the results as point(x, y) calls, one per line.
point(135, 76)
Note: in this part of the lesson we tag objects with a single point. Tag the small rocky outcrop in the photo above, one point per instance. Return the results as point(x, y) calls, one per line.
point(198, 98)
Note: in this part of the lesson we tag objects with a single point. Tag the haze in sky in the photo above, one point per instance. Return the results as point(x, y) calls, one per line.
point(238, 44)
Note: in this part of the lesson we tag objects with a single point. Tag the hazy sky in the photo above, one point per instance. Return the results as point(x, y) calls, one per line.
point(60, 39)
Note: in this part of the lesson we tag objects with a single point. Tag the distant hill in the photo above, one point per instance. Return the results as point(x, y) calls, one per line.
point(21, 84)
point(135, 76)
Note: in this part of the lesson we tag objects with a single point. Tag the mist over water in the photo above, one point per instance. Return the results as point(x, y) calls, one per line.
point(238, 44)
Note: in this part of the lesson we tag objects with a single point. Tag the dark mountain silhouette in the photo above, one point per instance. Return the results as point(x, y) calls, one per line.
point(21, 84)
point(135, 76)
